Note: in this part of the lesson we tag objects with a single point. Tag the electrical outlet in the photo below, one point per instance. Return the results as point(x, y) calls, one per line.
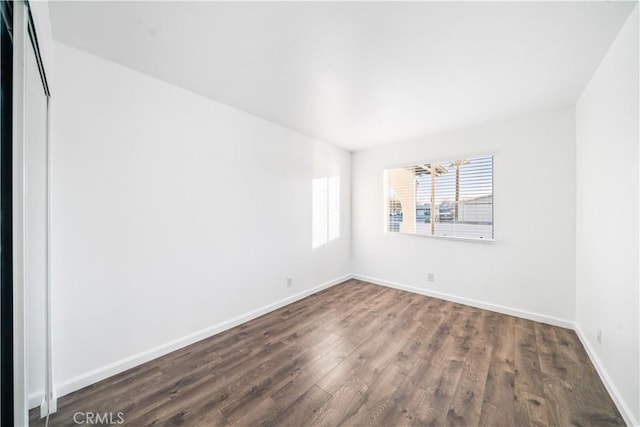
point(431, 277)
point(599, 336)
point(289, 282)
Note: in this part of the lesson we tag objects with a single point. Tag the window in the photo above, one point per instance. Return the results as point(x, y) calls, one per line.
point(446, 199)
point(325, 210)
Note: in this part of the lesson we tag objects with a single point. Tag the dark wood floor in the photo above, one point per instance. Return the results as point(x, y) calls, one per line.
point(359, 354)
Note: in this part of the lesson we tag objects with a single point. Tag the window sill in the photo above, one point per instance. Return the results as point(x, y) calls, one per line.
point(461, 239)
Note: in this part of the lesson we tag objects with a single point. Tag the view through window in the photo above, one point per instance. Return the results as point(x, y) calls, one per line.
point(448, 199)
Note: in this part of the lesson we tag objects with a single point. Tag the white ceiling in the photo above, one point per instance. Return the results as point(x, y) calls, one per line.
point(357, 74)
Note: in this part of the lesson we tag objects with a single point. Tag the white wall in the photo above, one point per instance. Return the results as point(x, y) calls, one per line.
point(607, 272)
point(530, 268)
point(172, 213)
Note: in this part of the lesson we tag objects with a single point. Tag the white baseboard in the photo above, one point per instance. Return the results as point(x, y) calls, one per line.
point(606, 380)
point(47, 408)
point(35, 399)
point(555, 321)
point(114, 368)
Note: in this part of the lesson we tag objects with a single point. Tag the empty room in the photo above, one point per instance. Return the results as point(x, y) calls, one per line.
point(320, 213)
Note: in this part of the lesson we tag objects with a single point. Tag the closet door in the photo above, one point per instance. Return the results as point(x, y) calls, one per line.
point(29, 208)
point(35, 217)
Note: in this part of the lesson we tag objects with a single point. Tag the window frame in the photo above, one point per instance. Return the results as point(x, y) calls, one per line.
point(401, 234)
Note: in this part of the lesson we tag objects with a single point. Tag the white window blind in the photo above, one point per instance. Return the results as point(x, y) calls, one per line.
point(325, 210)
point(448, 199)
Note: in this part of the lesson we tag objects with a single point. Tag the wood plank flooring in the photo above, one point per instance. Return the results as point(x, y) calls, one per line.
point(359, 354)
